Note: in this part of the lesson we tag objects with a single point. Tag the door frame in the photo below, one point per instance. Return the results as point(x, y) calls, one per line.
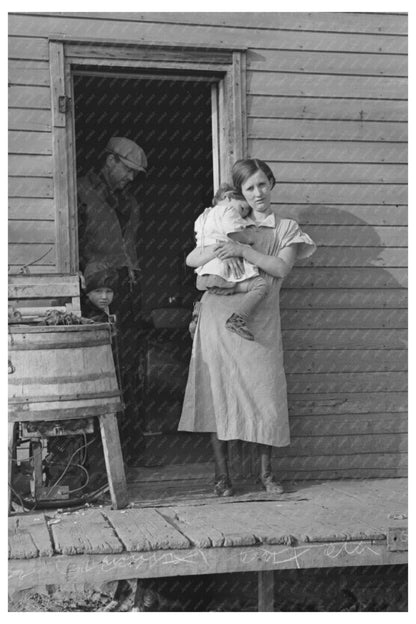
point(223, 66)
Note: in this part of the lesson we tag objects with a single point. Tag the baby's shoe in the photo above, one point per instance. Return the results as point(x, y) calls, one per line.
point(237, 324)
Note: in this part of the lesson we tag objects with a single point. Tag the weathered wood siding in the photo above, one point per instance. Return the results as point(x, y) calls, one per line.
point(327, 108)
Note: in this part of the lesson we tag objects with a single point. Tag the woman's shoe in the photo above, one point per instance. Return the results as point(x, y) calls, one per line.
point(223, 486)
point(270, 484)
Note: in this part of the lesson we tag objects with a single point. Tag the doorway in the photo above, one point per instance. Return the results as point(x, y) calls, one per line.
point(171, 118)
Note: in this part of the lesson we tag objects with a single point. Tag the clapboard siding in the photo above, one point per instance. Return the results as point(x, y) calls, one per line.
point(32, 119)
point(358, 235)
point(362, 257)
point(26, 186)
point(343, 319)
point(312, 107)
point(377, 23)
point(347, 403)
point(32, 231)
point(329, 277)
point(26, 253)
point(337, 63)
point(30, 209)
point(30, 142)
point(334, 214)
point(342, 445)
point(327, 108)
point(28, 48)
point(145, 31)
point(344, 339)
point(315, 130)
point(348, 424)
point(30, 97)
point(383, 88)
point(344, 193)
point(40, 268)
point(300, 150)
point(34, 165)
point(348, 466)
point(342, 173)
point(336, 298)
point(29, 73)
point(330, 193)
point(341, 382)
point(325, 361)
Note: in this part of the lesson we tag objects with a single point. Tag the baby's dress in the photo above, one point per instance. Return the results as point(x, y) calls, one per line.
point(211, 228)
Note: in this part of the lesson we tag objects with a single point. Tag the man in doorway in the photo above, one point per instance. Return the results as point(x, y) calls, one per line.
point(108, 231)
point(108, 214)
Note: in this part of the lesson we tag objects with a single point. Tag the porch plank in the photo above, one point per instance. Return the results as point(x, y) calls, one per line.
point(325, 524)
point(322, 523)
point(273, 526)
point(29, 537)
point(86, 532)
point(334, 516)
point(278, 523)
point(269, 526)
point(229, 525)
point(373, 505)
point(145, 530)
point(197, 527)
point(380, 493)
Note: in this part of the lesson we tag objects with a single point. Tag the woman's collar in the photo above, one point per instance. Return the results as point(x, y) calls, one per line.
point(269, 221)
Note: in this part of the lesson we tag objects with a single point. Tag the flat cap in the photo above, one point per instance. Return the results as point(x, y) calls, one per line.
point(131, 154)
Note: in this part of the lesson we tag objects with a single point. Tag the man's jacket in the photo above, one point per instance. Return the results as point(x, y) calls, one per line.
point(108, 224)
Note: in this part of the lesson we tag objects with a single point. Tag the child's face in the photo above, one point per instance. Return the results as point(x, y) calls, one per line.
point(101, 298)
point(241, 206)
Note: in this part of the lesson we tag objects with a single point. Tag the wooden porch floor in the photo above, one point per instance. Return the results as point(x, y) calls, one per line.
point(314, 524)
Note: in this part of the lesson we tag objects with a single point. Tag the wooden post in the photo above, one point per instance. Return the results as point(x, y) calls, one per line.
point(266, 590)
point(11, 450)
point(37, 467)
point(113, 460)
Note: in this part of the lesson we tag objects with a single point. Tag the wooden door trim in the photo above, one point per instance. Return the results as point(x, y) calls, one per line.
point(226, 64)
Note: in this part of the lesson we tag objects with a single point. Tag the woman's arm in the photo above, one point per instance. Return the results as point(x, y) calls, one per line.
point(277, 266)
point(201, 255)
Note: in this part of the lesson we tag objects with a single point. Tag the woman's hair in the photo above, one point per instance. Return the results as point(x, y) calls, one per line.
point(245, 168)
point(228, 191)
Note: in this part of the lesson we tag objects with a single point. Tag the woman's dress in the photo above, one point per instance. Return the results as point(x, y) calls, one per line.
point(237, 387)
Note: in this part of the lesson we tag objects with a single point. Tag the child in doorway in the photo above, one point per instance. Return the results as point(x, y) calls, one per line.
point(229, 216)
point(100, 284)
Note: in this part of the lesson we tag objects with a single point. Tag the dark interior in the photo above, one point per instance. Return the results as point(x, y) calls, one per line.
point(171, 120)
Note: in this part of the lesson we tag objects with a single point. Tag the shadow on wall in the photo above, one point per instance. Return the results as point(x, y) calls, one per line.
point(357, 266)
point(344, 325)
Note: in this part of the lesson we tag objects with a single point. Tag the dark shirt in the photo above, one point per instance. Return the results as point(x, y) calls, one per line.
point(90, 311)
point(108, 224)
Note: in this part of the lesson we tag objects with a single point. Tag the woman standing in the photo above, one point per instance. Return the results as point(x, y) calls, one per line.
point(237, 389)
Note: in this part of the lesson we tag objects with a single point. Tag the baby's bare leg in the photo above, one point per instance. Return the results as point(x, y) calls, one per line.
point(256, 289)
